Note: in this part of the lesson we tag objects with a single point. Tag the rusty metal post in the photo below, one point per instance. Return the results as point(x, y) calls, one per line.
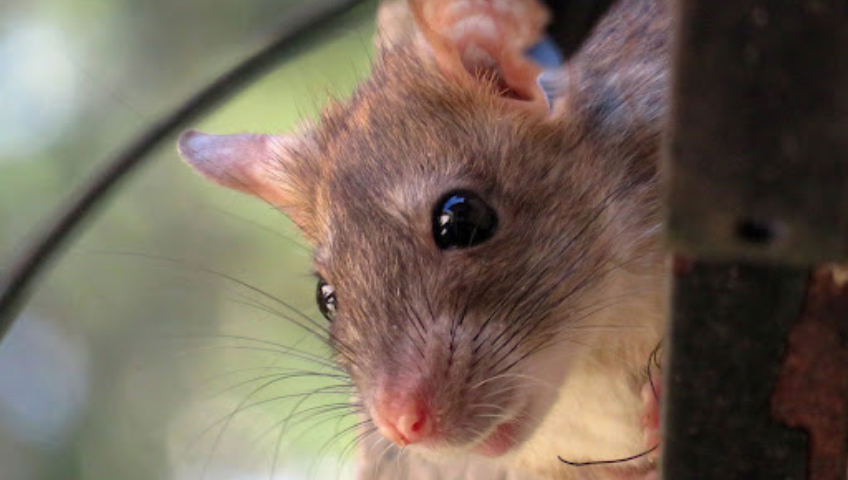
point(757, 162)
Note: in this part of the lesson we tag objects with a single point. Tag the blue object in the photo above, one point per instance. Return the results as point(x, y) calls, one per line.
point(546, 53)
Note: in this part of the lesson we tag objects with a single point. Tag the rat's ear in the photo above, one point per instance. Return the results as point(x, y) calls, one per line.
point(261, 165)
point(486, 42)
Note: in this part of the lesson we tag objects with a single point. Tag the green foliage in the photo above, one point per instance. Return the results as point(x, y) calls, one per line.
point(153, 327)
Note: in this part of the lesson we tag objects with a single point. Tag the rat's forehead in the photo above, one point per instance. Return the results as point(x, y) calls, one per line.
point(367, 226)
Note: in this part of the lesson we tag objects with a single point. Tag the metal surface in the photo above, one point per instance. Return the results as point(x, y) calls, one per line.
point(759, 131)
point(812, 392)
point(726, 344)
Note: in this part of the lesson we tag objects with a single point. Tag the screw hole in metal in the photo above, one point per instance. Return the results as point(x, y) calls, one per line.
point(758, 232)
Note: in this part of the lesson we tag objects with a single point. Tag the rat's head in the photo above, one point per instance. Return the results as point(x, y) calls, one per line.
point(466, 241)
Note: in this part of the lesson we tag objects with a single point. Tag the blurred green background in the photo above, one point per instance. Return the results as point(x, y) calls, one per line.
point(134, 359)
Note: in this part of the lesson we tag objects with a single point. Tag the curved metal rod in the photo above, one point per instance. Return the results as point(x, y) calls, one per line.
point(308, 26)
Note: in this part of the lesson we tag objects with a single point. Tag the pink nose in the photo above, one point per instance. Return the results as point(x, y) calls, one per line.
point(404, 421)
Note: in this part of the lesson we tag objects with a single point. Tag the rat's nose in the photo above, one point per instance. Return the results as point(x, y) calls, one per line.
point(403, 420)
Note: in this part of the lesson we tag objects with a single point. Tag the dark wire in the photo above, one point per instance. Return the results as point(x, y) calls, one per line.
point(609, 462)
point(301, 30)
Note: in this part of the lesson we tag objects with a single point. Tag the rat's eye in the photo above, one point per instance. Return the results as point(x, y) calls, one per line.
point(326, 298)
point(462, 219)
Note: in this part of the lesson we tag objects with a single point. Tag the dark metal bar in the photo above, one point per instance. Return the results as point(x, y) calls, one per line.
point(729, 332)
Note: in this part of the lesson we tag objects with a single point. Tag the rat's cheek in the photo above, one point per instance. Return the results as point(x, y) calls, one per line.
point(503, 439)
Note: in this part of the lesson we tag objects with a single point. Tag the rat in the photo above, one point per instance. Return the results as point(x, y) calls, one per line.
point(487, 238)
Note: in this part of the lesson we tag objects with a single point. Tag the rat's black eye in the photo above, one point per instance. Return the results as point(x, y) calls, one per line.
point(325, 295)
point(462, 219)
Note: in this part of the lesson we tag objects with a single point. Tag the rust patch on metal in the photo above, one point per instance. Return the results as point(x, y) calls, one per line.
point(681, 265)
point(812, 393)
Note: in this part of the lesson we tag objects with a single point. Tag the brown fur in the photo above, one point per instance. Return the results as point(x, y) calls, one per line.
point(573, 274)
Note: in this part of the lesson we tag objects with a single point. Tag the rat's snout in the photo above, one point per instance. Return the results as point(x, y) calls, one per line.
point(403, 418)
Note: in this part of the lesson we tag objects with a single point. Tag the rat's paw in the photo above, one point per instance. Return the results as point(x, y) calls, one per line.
point(651, 422)
point(651, 396)
point(652, 475)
